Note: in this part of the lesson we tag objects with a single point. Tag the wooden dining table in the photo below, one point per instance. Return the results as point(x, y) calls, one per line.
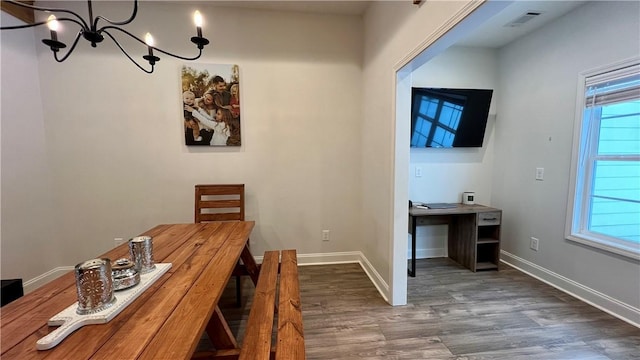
point(166, 321)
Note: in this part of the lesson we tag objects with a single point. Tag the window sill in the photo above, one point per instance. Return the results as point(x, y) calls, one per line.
point(619, 249)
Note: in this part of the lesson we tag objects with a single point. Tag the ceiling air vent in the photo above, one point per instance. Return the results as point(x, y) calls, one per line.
point(529, 15)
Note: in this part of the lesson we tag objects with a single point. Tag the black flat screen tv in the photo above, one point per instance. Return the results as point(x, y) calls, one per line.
point(446, 118)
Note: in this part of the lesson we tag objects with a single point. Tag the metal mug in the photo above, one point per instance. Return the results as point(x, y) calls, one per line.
point(94, 285)
point(141, 251)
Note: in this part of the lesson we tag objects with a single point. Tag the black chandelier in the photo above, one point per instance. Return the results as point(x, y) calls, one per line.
point(90, 31)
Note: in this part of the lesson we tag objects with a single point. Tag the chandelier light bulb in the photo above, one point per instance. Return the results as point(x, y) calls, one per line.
point(52, 23)
point(150, 57)
point(148, 39)
point(197, 18)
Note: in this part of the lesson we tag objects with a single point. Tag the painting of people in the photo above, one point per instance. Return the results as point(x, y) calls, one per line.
point(211, 105)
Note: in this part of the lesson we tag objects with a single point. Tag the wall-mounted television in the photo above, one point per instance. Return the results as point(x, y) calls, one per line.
point(446, 118)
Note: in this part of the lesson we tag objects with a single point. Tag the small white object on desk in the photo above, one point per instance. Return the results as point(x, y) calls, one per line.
point(468, 198)
point(422, 207)
point(70, 321)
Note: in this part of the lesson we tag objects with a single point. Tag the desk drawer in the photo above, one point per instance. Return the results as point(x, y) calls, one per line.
point(489, 218)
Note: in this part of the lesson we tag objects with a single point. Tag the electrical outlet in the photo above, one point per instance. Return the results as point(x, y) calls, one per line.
point(534, 244)
point(418, 171)
point(540, 174)
point(325, 235)
point(118, 241)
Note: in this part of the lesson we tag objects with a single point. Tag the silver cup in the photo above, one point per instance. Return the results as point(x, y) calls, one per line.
point(141, 251)
point(94, 286)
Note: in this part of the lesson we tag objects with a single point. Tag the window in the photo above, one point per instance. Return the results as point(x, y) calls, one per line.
point(604, 202)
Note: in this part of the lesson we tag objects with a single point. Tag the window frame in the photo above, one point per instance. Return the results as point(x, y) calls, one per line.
point(576, 223)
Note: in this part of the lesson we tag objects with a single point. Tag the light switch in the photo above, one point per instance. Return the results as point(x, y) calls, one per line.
point(418, 171)
point(540, 174)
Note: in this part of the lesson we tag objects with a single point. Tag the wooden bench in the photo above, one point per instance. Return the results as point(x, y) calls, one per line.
point(257, 342)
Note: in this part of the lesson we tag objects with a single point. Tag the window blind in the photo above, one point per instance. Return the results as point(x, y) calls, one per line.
point(613, 87)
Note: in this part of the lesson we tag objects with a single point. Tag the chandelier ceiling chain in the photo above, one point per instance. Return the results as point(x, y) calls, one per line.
point(89, 31)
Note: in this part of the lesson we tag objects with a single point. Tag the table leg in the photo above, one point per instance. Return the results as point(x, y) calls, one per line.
point(412, 270)
point(219, 332)
point(250, 264)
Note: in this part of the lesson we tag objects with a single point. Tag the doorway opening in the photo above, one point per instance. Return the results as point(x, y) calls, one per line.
point(402, 105)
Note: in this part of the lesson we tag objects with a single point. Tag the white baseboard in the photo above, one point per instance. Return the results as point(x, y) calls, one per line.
point(325, 258)
point(329, 258)
point(345, 258)
point(40, 280)
point(592, 297)
point(376, 279)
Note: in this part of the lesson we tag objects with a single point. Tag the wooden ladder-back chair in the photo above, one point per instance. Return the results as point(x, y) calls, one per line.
point(221, 203)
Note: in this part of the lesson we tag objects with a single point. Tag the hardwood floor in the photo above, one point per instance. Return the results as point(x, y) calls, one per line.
point(452, 313)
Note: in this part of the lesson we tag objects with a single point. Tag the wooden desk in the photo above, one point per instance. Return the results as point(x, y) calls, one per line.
point(165, 322)
point(473, 237)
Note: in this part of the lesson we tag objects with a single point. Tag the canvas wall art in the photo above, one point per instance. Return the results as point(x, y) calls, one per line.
point(211, 103)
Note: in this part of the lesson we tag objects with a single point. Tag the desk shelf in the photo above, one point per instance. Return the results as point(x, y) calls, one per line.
point(486, 266)
point(487, 254)
point(487, 241)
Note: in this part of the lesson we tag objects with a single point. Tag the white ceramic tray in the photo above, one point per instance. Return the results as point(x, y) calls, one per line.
point(70, 321)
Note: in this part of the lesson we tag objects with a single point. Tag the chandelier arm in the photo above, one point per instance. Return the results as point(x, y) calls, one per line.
point(23, 26)
point(178, 56)
point(102, 29)
point(131, 18)
point(18, 3)
point(125, 52)
point(73, 46)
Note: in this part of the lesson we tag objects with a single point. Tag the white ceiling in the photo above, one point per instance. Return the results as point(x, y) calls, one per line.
point(492, 34)
point(351, 7)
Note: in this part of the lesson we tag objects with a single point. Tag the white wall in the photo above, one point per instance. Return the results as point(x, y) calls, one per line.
point(538, 82)
point(27, 206)
point(115, 153)
point(447, 173)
